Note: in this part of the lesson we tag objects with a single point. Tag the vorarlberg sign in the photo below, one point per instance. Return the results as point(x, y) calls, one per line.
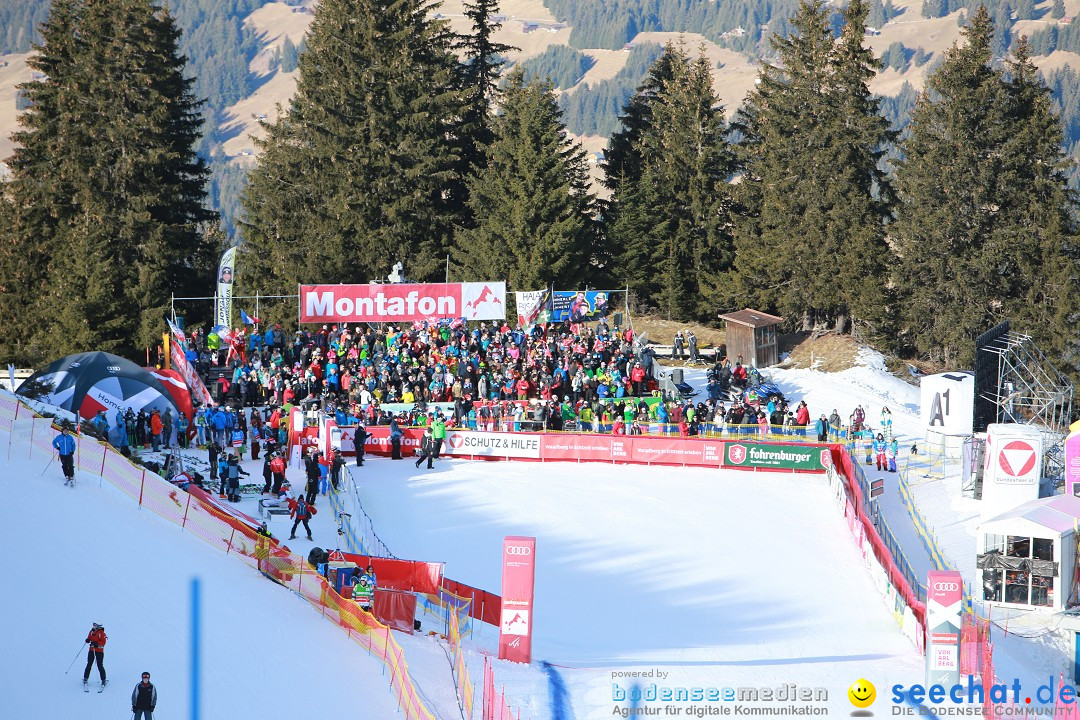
point(782, 457)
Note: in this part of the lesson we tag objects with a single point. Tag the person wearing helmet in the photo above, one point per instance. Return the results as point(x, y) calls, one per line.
point(97, 639)
point(65, 448)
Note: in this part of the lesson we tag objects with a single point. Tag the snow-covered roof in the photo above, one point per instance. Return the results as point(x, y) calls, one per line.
point(1059, 513)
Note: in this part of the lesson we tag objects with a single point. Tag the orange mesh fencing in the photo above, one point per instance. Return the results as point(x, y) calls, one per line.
point(461, 671)
point(8, 407)
point(90, 455)
point(124, 475)
point(42, 433)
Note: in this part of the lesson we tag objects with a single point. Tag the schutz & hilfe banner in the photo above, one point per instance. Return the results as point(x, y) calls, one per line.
point(402, 302)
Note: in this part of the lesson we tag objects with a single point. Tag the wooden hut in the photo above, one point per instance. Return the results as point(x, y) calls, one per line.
point(752, 334)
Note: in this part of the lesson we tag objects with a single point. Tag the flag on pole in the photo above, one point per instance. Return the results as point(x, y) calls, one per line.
point(226, 275)
point(247, 319)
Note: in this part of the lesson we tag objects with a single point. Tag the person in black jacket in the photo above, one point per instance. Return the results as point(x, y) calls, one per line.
point(359, 439)
point(311, 467)
point(427, 448)
point(144, 699)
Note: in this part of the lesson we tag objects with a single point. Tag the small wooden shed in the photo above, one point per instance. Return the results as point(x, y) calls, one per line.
point(752, 334)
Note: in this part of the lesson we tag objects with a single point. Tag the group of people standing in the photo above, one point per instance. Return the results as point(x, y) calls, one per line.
point(143, 698)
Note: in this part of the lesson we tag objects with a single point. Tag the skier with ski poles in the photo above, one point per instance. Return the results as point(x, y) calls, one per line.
point(65, 448)
point(97, 639)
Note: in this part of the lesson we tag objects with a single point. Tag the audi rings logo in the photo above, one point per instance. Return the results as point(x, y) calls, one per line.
point(518, 550)
point(946, 587)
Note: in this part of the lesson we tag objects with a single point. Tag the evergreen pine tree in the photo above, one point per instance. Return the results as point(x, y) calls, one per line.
point(669, 168)
point(290, 56)
point(810, 238)
point(530, 198)
point(1058, 10)
point(355, 175)
point(107, 192)
point(984, 227)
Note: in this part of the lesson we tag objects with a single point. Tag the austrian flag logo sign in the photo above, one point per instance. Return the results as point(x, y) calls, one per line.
point(456, 441)
point(1017, 458)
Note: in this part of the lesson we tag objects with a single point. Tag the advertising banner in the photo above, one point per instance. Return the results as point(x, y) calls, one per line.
point(195, 385)
point(1072, 464)
point(378, 441)
point(776, 456)
point(675, 451)
point(584, 447)
point(531, 307)
point(402, 302)
point(494, 444)
point(947, 403)
point(226, 275)
point(944, 594)
point(518, 577)
point(580, 305)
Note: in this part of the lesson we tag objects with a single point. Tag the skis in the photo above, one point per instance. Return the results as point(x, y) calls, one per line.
point(86, 686)
point(70, 482)
point(102, 686)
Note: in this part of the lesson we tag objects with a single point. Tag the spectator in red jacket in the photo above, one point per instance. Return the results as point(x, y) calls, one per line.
point(97, 639)
point(156, 429)
point(522, 389)
point(302, 512)
point(802, 418)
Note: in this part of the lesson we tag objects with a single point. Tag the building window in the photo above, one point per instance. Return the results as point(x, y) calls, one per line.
point(992, 585)
point(1016, 587)
point(1042, 549)
point(1018, 547)
point(994, 543)
point(1042, 590)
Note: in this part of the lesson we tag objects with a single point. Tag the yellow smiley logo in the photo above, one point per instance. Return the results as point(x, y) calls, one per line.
point(862, 693)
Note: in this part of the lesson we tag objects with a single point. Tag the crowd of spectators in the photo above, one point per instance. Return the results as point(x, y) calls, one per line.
point(562, 377)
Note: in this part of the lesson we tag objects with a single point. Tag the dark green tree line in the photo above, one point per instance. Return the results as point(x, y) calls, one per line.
point(106, 203)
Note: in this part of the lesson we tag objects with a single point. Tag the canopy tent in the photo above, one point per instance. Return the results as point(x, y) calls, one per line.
point(86, 383)
point(178, 390)
point(1027, 555)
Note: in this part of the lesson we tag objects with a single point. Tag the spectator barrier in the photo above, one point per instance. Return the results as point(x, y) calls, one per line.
point(226, 533)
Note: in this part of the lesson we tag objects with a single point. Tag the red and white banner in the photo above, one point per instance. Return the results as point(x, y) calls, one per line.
point(402, 302)
point(519, 574)
point(492, 444)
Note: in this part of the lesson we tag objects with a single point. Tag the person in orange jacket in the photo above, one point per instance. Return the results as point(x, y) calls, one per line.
point(156, 428)
point(97, 639)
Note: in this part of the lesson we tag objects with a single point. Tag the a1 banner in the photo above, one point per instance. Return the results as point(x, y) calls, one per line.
point(777, 456)
point(402, 302)
point(518, 578)
point(493, 444)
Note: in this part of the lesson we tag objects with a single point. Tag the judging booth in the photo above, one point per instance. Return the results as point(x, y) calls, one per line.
point(1027, 555)
point(947, 411)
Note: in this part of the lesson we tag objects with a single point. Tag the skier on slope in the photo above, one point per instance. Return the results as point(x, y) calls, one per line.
point(144, 699)
point(65, 448)
point(97, 639)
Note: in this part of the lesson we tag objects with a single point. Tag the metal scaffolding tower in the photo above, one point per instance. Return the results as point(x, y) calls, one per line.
point(1030, 391)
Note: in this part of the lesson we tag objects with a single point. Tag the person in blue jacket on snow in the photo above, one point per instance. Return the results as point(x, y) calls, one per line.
point(65, 448)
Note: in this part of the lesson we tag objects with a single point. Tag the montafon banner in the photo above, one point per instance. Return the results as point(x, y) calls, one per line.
point(226, 275)
point(776, 456)
point(400, 302)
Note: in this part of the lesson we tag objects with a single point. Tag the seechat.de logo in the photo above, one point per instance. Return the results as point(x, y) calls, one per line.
point(518, 550)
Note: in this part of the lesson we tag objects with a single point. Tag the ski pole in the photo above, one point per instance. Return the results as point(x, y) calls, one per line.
point(76, 658)
point(48, 464)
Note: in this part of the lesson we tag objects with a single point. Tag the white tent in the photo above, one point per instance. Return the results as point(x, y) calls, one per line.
point(1027, 555)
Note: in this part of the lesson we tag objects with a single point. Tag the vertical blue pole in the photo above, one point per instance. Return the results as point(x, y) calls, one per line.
point(195, 648)
point(1076, 658)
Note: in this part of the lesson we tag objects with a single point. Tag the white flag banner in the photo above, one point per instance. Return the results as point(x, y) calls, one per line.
point(226, 274)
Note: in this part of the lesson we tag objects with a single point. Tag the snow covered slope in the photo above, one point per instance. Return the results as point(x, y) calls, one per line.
point(89, 554)
point(721, 578)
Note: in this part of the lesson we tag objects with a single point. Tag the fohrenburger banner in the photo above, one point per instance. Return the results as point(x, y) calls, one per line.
point(226, 274)
point(400, 302)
